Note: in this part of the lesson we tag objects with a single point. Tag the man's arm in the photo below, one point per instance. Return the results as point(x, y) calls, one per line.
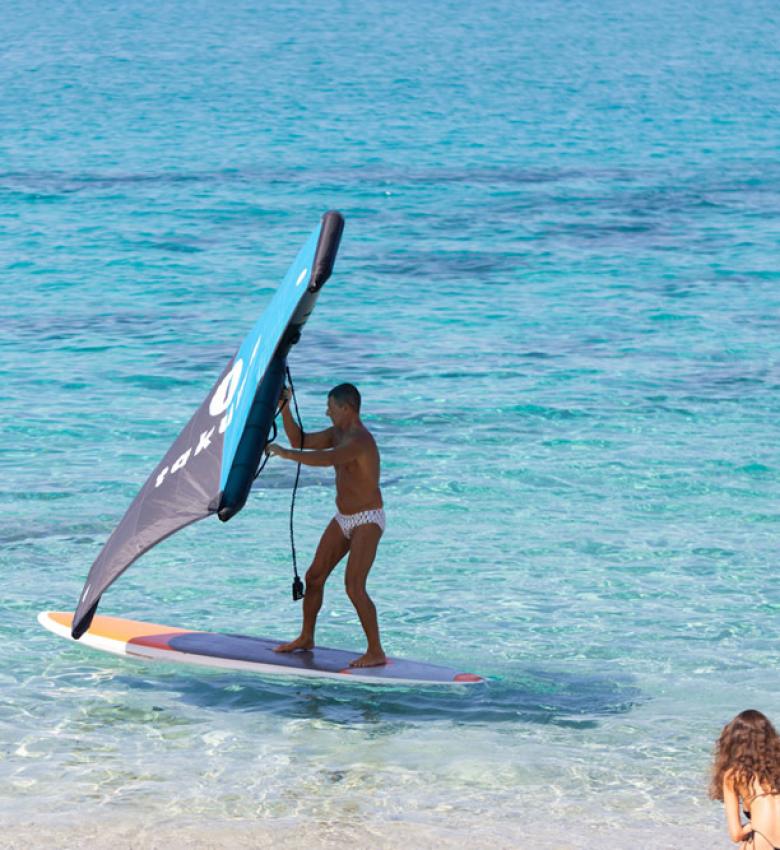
point(319, 457)
point(318, 440)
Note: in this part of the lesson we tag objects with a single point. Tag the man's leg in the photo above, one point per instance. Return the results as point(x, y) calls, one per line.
point(331, 549)
point(362, 551)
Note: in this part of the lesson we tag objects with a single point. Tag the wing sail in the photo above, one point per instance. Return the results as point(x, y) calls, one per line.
point(211, 465)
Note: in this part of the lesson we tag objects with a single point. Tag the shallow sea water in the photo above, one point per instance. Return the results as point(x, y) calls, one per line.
point(558, 293)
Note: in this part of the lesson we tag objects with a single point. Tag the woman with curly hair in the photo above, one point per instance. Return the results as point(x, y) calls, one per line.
point(747, 770)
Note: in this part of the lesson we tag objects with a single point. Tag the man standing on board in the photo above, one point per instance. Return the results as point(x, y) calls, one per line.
point(359, 522)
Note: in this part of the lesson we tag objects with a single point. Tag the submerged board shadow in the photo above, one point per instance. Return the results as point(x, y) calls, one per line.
point(533, 695)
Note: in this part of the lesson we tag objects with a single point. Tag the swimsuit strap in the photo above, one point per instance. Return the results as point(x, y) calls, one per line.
point(752, 839)
point(763, 794)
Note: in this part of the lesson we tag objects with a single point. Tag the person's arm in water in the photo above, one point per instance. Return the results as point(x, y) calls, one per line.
point(319, 457)
point(737, 832)
point(318, 440)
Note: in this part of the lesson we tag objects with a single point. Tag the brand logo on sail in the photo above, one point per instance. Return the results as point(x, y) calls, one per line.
point(219, 404)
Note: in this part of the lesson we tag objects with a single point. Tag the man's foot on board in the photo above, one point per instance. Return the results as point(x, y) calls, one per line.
point(370, 659)
point(298, 643)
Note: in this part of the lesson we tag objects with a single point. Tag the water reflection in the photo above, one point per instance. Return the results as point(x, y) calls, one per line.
point(529, 695)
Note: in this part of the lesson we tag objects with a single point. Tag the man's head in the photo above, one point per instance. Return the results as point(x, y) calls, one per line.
point(343, 403)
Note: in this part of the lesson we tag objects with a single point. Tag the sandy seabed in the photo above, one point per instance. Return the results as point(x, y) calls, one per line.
point(529, 832)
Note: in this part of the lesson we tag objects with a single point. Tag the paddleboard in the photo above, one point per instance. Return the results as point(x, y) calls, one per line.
point(153, 642)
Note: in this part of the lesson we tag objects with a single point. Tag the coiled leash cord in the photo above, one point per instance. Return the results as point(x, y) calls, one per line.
point(297, 585)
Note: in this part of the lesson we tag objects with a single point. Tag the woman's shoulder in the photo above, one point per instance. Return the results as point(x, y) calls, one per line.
point(732, 783)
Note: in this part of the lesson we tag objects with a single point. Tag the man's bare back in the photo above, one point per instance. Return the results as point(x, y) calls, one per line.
point(349, 447)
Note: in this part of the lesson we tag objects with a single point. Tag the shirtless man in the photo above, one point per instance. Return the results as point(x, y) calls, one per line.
point(359, 522)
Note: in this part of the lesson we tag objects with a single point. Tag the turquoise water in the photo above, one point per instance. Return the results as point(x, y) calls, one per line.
point(558, 293)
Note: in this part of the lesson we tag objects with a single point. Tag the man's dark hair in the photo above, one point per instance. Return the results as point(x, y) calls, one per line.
point(346, 394)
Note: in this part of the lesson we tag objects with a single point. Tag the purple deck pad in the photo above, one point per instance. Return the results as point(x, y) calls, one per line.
point(319, 659)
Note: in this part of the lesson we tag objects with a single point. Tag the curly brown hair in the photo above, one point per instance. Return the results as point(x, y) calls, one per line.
point(749, 751)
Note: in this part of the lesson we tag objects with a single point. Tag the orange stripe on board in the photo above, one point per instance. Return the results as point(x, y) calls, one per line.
point(115, 628)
